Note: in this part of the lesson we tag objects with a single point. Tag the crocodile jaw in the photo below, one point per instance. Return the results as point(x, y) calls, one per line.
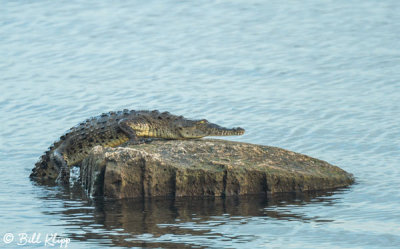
point(208, 129)
point(227, 132)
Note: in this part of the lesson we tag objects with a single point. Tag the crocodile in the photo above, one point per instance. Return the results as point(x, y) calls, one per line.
point(113, 129)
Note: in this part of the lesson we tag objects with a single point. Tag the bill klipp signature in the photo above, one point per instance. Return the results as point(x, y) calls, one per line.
point(26, 239)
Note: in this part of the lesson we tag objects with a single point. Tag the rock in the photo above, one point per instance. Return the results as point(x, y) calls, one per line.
point(204, 167)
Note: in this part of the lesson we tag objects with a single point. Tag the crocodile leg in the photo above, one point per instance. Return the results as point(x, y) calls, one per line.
point(126, 127)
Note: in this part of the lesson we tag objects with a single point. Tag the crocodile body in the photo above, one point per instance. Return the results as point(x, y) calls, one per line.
point(114, 129)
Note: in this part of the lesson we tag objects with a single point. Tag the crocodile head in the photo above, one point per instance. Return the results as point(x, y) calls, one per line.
point(168, 126)
point(201, 128)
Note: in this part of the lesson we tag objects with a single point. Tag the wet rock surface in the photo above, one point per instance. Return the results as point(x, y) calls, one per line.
point(204, 167)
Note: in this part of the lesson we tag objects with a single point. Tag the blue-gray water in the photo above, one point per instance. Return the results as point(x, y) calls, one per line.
point(317, 77)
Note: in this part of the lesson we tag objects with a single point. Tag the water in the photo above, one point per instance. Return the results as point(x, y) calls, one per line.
point(316, 77)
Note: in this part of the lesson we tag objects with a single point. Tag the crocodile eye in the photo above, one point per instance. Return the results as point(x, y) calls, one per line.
point(203, 121)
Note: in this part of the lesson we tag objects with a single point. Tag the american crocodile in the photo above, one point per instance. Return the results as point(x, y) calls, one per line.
point(116, 128)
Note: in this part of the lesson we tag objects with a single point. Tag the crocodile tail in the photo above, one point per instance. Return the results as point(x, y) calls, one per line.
point(45, 163)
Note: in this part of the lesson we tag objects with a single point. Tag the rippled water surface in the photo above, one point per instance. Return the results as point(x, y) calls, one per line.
point(316, 77)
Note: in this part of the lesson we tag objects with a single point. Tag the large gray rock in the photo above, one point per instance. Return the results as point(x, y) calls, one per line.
point(205, 167)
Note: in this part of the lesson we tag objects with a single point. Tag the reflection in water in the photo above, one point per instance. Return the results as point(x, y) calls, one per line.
point(168, 222)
